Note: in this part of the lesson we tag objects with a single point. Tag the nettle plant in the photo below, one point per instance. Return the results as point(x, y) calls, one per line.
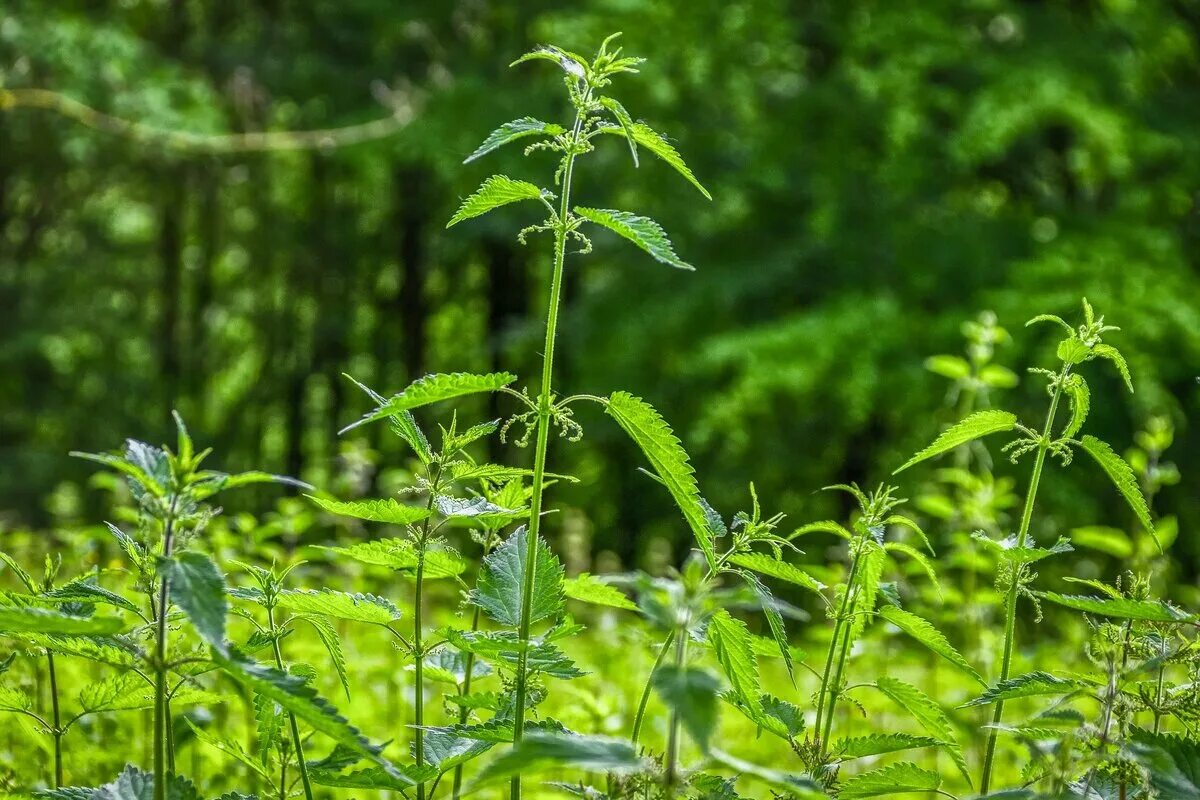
point(1017, 553)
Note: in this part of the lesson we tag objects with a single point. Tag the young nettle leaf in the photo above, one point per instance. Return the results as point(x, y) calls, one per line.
point(877, 744)
point(408, 776)
point(350, 606)
point(665, 453)
point(653, 141)
point(478, 510)
point(925, 633)
point(198, 587)
point(979, 424)
point(642, 231)
point(574, 65)
point(401, 555)
point(539, 751)
point(496, 191)
point(333, 645)
point(434, 389)
point(1077, 392)
point(131, 784)
point(499, 590)
point(901, 777)
point(387, 511)
point(731, 644)
point(928, 714)
point(13, 699)
point(1121, 474)
point(767, 565)
point(1032, 684)
point(1008, 550)
point(28, 619)
point(625, 121)
point(512, 131)
point(230, 747)
point(692, 693)
point(589, 589)
point(774, 619)
point(1121, 607)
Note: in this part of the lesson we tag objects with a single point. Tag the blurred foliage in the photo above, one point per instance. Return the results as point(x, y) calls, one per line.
point(881, 172)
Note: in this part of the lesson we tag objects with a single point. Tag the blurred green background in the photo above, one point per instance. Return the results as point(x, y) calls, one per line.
point(881, 172)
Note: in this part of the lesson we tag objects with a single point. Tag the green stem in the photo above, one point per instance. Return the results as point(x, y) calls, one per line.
point(838, 623)
point(435, 479)
point(56, 718)
point(681, 639)
point(464, 713)
point(160, 664)
point(297, 744)
point(1158, 688)
point(641, 710)
point(1010, 601)
point(545, 398)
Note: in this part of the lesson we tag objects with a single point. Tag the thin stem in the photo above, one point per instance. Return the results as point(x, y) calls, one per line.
point(464, 713)
point(418, 648)
point(544, 400)
point(641, 710)
point(839, 620)
point(161, 709)
point(56, 716)
point(297, 743)
point(673, 732)
point(1010, 601)
point(1158, 688)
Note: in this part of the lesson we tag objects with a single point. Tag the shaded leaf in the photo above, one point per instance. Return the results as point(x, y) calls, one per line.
point(501, 582)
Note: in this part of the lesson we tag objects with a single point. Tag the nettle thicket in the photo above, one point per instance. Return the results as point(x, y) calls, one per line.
point(184, 630)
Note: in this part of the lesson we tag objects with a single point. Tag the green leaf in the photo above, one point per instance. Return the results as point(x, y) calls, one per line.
point(1032, 684)
point(401, 555)
point(666, 455)
point(496, 191)
point(928, 714)
point(821, 526)
point(1080, 397)
point(877, 744)
point(1172, 763)
point(511, 131)
point(901, 521)
point(903, 776)
point(539, 751)
point(124, 691)
point(294, 694)
point(1118, 360)
point(625, 121)
point(774, 619)
point(1121, 608)
point(389, 511)
point(85, 590)
point(13, 699)
point(589, 589)
point(924, 632)
point(692, 693)
point(333, 645)
point(1113, 541)
point(229, 747)
point(109, 650)
point(920, 558)
point(340, 605)
point(765, 564)
point(27, 619)
point(409, 775)
point(434, 389)
point(131, 784)
point(642, 231)
point(1121, 474)
point(154, 483)
point(198, 587)
point(979, 424)
point(501, 581)
point(1008, 550)
point(653, 141)
point(571, 63)
point(731, 643)
point(478, 510)
point(1052, 318)
point(953, 367)
point(21, 574)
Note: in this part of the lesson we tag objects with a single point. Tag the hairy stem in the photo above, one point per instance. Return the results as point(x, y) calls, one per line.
point(545, 398)
point(464, 713)
point(641, 709)
point(161, 709)
point(297, 743)
point(1014, 590)
point(418, 646)
point(1158, 684)
point(673, 731)
point(56, 718)
point(838, 623)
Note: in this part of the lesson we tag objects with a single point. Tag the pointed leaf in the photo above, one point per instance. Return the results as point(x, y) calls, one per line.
point(539, 751)
point(642, 231)
point(340, 605)
point(731, 644)
point(765, 564)
point(198, 587)
point(1032, 684)
point(979, 424)
point(1114, 355)
point(625, 121)
point(928, 713)
point(653, 141)
point(924, 632)
point(1121, 474)
point(434, 389)
point(877, 744)
point(692, 693)
point(496, 191)
point(401, 555)
point(27, 619)
point(388, 511)
point(903, 776)
point(1120, 607)
point(511, 131)
point(589, 589)
point(500, 587)
point(1080, 397)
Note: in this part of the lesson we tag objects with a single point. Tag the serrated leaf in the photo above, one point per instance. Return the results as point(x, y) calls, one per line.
point(539, 751)
point(589, 589)
point(198, 587)
point(625, 121)
point(692, 693)
point(125, 691)
point(925, 633)
point(388, 511)
point(333, 645)
point(670, 461)
point(340, 605)
point(920, 558)
point(731, 644)
point(502, 579)
point(13, 699)
point(901, 521)
point(498, 473)
point(479, 510)
point(1080, 397)
point(1121, 474)
point(928, 714)
point(496, 191)
point(230, 748)
point(821, 526)
point(903, 776)
point(1120, 607)
point(85, 590)
point(113, 651)
point(512, 131)
point(1008, 550)
point(294, 694)
point(979, 424)
point(656, 143)
point(131, 784)
point(642, 231)
point(1032, 684)
point(774, 619)
point(375, 778)
point(877, 744)
point(19, 571)
point(28, 619)
point(506, 646)
point(401, 555)
point(434, 389)
point(571, 63)
point(1118, 360)
point(765, 564)
point(1172, 763)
